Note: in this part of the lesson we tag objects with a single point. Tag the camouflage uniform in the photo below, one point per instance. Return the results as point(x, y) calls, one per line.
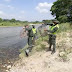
point(52, 37)
point(34, 35)
point(30, 35)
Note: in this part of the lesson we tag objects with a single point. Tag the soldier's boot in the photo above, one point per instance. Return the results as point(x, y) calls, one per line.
point(53, 51)
point(27, 52)
point(30, 48)
point(49, 49)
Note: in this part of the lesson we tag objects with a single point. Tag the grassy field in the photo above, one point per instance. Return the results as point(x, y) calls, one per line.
point(6, 24)
point(11, 24)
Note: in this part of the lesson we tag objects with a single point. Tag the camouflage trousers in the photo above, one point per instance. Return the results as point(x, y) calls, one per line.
point(34, 38)
point(30, 41)
point(52, 41)
point(29, 46)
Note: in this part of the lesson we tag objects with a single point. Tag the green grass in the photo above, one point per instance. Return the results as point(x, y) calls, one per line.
point(11, 24)
point(38, 46)
point(64, 27)
point(4, 24)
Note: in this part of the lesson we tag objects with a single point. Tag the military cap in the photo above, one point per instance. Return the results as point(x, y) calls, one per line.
point(56, 21)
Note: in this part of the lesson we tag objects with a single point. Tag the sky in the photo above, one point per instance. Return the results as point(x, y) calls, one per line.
point(26, 10)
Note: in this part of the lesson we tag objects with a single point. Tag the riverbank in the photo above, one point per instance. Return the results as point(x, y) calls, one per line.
point(41, 61)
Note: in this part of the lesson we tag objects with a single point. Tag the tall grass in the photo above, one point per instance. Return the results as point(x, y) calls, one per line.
point(64, 27)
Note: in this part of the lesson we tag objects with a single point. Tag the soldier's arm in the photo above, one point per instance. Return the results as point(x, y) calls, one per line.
point(50, 24)
point(54, 30)
point(28, 29)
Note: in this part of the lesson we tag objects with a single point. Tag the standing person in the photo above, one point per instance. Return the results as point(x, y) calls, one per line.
point(34, 33)
point(30, 35)
point(52, 35)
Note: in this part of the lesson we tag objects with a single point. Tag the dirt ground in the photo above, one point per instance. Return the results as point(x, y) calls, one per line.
point(45, 61)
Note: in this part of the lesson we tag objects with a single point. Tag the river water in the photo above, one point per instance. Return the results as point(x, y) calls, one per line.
point(10, 42)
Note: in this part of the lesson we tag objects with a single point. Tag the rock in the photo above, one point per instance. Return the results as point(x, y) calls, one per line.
point(62, 54)
point(5, 65)
point(9, 66)
point(7, 71)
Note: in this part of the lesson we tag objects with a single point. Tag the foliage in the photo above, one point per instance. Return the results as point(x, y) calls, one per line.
point(12, 20)
point(25, 21)
point(63, 27)
point(7, 23)
point(0, 19)
point(36, 22)
point(62, 9)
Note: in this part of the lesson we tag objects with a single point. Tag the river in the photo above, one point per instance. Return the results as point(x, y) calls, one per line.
point(10, 42)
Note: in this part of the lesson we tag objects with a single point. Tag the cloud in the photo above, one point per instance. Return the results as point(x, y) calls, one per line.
point(2, 13)
point(22, 12)
point(11, 7)
point(10, 16)
point(7, 0)
point(2, 6)
point(44, 7)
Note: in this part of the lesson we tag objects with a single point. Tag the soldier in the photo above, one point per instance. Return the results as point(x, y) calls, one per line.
point(34, 33)
point(30, 36)
point(52, 35)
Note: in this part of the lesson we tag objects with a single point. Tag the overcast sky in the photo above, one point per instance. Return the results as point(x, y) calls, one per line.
point(30, 10)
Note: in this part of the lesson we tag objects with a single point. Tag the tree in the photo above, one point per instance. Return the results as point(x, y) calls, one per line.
point(62, 10)
point(70, 14)
point(35, 22)
point(25, 21)
point(13, 20)
point(6, 20)
point(1, 20)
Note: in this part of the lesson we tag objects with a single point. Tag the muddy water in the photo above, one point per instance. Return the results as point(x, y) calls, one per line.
point(10, 43)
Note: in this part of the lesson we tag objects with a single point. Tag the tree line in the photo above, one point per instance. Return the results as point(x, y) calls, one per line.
point(14, 20)
point(11, 20)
